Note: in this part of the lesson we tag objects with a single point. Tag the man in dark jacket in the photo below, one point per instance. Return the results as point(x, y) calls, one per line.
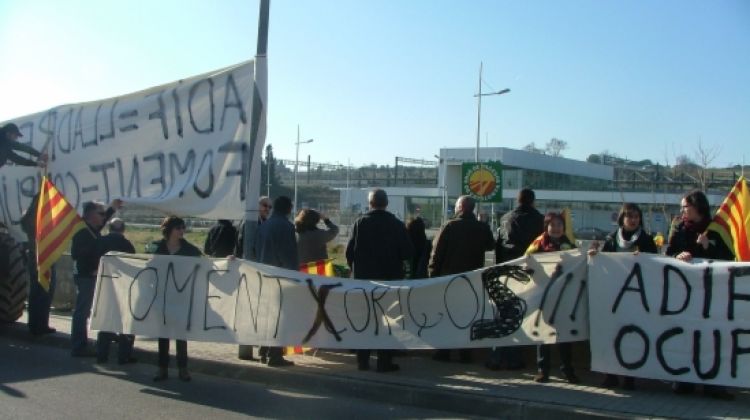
point(221, 239)
point(115, 241)
point(516, 232)
point(245, 351)
point(458, 247)
point(39, 299)
point(276, 245)
point(85, 253)
point(9, 133)
point(377, 250)
point(518, 228)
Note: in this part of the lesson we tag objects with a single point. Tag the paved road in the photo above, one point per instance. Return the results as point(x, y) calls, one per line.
point(38, 381)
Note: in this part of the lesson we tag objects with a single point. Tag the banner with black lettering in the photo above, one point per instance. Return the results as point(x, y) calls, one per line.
point(530, 300)
point(660, 318)
point(182, 148)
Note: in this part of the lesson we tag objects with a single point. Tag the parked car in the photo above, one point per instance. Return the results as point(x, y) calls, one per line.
point(591, 233)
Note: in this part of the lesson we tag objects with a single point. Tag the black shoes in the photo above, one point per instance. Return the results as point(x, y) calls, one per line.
point(161, 375)
point(391, 367)
point(571, 377)
point(84, 352)
point(541, 377)
point(280, 362)
point(610, 381)
point(43, 331)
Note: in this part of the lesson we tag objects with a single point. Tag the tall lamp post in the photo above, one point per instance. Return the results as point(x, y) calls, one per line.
point(479, 115)
point(296, 165)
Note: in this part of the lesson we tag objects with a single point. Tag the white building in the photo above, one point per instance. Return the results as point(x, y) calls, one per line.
point(586, 188)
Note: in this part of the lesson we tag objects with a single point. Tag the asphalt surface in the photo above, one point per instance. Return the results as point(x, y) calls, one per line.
point(466, 388)
point(43, 382)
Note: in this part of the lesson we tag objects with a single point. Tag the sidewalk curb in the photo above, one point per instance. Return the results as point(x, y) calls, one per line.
point(451, 401)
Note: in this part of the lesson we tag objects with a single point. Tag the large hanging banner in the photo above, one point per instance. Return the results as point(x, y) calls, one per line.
point(182, 148)
point(660, 318)
point(530, 300)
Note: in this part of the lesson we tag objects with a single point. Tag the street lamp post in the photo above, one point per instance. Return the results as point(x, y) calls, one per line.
point(296, 165)
point(479, 115)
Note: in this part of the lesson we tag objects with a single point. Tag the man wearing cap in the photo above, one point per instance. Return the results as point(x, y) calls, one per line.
point(9, 133)
point(115, 241)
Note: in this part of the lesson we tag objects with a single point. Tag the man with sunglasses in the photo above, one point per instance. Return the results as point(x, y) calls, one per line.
point(85, 252)
point(245, 351)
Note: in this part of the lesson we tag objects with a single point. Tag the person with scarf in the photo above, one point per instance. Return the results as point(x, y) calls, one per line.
point(553, 239)
point(690, 240)
point(629, 237)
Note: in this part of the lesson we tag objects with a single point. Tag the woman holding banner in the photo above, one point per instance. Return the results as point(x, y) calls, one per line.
point(173, 230)
point(691, 239)
point(553, 239)
point(629, 237)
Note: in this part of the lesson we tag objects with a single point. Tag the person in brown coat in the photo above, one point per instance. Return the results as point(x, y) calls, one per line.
point(458, 247)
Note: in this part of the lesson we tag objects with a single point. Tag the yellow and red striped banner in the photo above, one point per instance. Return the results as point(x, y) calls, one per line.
point(732, 221)
point(56, 223)
point(320, 268)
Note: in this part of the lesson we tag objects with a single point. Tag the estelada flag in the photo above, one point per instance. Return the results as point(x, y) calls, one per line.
point(56, 223)
point(732, 221)
point(319, 268)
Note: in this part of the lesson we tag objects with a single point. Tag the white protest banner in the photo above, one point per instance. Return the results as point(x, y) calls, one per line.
point(660, 318)
point(182, 147)
point(242, 302)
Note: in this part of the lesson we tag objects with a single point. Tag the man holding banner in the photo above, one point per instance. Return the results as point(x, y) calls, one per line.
point(85, 253)
point(9, 133)
point(277, 246)
point(377, 249)
point(459, 247)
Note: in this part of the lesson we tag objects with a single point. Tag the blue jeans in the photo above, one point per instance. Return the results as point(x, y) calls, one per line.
point(39, 300)
point(84, 299)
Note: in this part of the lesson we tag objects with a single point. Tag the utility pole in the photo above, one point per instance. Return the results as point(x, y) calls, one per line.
point(257, 138)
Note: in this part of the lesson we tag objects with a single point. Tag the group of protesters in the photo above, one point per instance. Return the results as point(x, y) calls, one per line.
point(380, 247)
point(380, 243)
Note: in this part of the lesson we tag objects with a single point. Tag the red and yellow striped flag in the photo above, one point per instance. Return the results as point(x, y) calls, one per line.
point(56, 223)
point(732, 221)
point(319, 268)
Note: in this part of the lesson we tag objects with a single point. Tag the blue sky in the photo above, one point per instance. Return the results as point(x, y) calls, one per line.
point(370, 80)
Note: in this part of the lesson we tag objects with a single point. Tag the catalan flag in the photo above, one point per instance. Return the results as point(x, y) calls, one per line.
point(732, 220)
point(319, 268)
point(56, 223)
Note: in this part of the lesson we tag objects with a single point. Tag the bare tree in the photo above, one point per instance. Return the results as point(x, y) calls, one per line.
point(704, 156)
point(556, 146)
point(531, 147)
